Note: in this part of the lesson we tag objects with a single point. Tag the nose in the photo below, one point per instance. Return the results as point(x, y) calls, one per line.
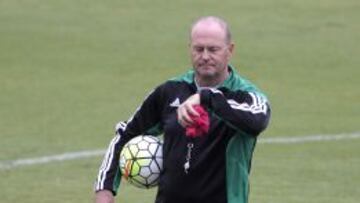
point(205, 55)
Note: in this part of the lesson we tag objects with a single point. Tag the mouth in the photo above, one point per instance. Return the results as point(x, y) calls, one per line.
point(206, 65)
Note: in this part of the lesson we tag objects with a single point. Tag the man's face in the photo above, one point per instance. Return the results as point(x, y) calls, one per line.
point(210, 52)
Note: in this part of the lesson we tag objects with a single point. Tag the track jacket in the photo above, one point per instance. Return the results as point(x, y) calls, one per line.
point(220, 161)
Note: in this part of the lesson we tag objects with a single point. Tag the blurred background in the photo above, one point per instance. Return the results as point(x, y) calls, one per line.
point(70, 70)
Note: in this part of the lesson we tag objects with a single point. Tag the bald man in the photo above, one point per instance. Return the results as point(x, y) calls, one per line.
point(214, 167)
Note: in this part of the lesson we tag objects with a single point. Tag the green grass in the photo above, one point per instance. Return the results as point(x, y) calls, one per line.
point(69, 70)
point(308, 172)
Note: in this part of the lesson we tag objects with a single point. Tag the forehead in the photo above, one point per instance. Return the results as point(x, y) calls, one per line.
point(208, 33)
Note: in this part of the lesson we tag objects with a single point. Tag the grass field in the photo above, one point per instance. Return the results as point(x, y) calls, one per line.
point(69, 70)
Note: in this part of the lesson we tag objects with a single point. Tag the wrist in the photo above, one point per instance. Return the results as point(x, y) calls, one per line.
point(204, 94)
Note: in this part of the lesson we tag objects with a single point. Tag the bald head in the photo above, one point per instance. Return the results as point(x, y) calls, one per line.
point(211, 49)
point(211, 23)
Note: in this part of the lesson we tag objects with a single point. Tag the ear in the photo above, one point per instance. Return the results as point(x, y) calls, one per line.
point(190, 46)
point(231, 48)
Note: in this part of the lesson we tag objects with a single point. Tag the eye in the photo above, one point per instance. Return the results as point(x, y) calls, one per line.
point(213, 49)
point(198, 49)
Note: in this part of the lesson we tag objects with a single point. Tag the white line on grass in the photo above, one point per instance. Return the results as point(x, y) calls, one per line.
point(52, 158)
point(91, 153)
point(313, 138)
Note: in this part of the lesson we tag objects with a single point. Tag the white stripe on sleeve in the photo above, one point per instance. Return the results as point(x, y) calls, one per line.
point(257, 106)
point(108, 158)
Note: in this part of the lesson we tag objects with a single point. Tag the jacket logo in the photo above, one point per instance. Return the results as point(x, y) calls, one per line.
point(175, 103)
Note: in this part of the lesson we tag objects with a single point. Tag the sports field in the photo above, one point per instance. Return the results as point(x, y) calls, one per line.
point(69, 70)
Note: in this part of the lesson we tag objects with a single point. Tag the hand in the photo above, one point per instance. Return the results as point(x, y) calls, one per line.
point(104, 196)
point(186, 110)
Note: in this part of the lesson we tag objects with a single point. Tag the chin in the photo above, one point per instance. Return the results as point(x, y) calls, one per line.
point(206, 74)
point(206, 70)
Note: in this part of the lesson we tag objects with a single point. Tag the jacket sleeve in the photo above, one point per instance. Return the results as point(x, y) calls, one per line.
point(246, 111)
point(109, 176)
point(146, 120)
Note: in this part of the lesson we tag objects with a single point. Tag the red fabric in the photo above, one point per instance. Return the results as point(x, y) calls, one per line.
point(201, 123)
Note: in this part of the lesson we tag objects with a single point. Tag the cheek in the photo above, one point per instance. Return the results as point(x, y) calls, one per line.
point(195, 57)
point(224, 58)
point(220, 59)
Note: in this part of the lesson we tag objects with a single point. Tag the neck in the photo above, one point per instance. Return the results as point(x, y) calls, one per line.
point(211, 81)
point(201, 82)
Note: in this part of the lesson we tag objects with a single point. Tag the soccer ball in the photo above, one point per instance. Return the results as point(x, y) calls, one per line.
point(141, 161)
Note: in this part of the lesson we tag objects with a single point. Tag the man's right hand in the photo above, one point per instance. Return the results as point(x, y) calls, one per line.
point(186, 110)
point(104, 196)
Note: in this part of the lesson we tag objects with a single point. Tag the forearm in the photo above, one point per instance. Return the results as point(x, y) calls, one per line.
point(246, 111)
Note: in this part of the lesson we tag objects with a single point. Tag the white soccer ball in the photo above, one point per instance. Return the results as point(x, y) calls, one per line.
point(141, 161)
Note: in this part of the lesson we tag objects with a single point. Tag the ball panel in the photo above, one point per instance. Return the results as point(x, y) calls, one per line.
point(145, 172)
point(154, 167)
point(153, 179)
point(143, 154)
point(144, 161)
point(143, 145)
point(133, 150)
point(153, 148)
point(135, 168)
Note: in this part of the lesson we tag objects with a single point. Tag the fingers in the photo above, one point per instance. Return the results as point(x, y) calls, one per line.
point(185, 114)
point(186, 110)
point(191, 111)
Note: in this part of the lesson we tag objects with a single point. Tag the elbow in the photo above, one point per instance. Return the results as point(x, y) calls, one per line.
point(258, 124)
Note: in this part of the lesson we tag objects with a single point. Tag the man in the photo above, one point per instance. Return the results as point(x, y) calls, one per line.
point(211, 168)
